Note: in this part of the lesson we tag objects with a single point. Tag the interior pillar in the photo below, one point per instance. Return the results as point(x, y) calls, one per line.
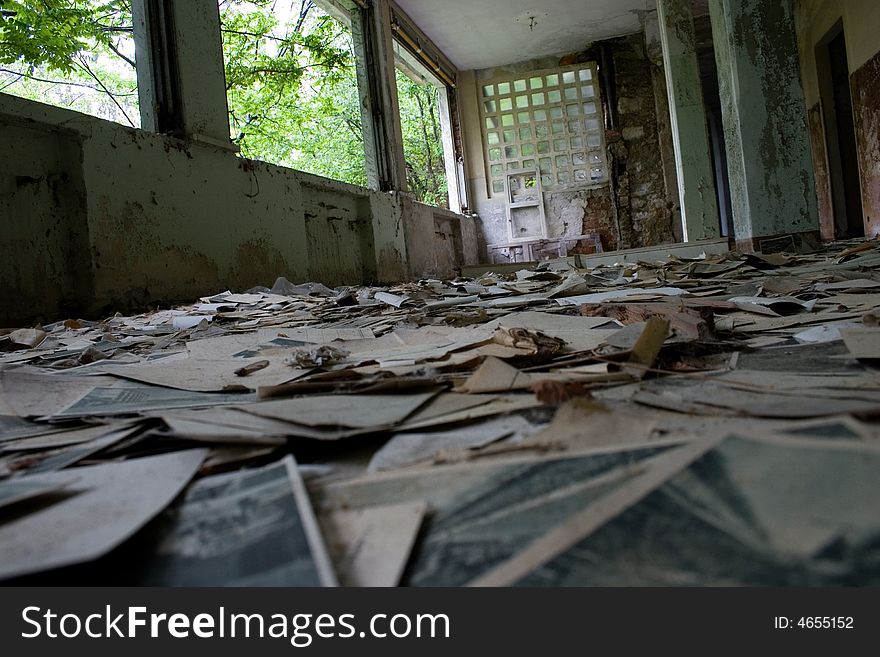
point(765, 120)
point(696, 184)
point(181, 75)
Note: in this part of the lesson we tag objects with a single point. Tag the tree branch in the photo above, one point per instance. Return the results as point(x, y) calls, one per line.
point(85, 66)
point(64, 82)
point(123, 57)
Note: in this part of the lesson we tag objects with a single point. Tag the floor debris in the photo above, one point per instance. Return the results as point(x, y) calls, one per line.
point(702, 421)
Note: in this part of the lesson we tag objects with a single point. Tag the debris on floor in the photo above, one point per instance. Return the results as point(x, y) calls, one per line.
point(709, 421)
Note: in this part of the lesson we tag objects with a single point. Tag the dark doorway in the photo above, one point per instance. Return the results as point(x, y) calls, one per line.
point(840, 135)
point(712, 103)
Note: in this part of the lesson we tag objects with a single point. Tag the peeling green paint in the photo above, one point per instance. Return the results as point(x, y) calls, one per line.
point(765, 119)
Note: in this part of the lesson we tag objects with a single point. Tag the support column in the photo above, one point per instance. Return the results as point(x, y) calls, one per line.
point(377, 82)
point(696, 184)
point(765, 120)
point(181, 75)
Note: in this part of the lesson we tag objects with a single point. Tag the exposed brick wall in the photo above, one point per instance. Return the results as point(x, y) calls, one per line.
point(636, 211)
point(643, 207)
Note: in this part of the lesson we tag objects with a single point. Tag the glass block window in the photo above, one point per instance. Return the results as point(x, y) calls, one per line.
point(550, 120)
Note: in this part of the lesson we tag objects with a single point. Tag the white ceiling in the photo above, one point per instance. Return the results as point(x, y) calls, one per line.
point(478, 34)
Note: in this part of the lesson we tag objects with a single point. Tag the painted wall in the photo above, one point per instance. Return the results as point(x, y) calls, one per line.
point(96, 217)
point(634, 209)
point(814, 18)
point(861, 27)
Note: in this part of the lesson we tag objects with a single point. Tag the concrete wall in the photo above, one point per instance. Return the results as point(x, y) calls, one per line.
point(634, 209)
point(96, 217)
point(861, 27)
point(43, 232)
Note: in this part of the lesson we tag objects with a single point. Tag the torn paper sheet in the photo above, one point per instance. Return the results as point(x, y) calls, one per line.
point(14, 491)
point(583, 424)
point(763, 502)
point(408, 448)
point(63, 457)
point(824, 333)
point(647, 347)
point(779, 305)
point(13, 427)
point(34, 395)
point(579, 333)
point(229, 345)
point(624, 293)
point(206, 431)
point(230, 425)
point(183, 322)
point(712, 398)
point(352, 411)
point(370, 547)
point(499, 406)
point(136, 398)
point(60, 437)
point(206, 375)
point(485, 512)
point(843, 286)
point(862, 343)
point(249, 528)
point(583, 522)
point(494, 375)
point(391, 299)
point(108, 503)
point(29, 338)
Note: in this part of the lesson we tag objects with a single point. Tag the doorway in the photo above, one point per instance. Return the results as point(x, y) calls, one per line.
point(834, 86)
point(712, 103)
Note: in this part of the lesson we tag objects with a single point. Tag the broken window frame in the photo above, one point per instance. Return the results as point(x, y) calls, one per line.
point(158, 71)
point(419, 73)
point(413, 51)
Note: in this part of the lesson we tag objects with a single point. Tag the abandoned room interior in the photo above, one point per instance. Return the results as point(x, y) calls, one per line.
point(421, 293)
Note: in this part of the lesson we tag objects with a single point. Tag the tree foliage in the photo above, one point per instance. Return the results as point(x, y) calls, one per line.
point(52, 33)
point(290, 77)
point(291, 87)
point(72, 53)
point(422, 144)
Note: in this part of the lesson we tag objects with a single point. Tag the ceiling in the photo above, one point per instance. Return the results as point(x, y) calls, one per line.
point(478, 34)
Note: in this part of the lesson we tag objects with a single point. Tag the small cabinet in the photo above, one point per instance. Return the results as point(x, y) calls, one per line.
point(525, 206)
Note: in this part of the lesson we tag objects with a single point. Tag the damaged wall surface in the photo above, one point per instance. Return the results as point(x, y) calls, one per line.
point(644, 203)
point(96, 215)
point(633, 209)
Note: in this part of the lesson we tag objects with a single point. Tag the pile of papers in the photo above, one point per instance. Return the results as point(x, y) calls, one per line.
point(686, 422)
